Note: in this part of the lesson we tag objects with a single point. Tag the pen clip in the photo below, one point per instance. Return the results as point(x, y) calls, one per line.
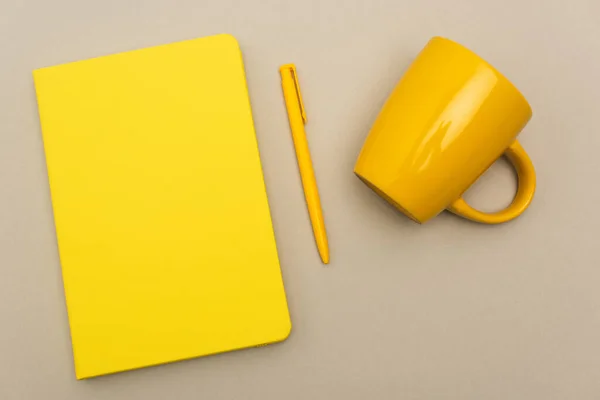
point(292, 68)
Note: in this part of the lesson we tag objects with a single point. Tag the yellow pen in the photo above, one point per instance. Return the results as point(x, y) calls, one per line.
point(297, 117)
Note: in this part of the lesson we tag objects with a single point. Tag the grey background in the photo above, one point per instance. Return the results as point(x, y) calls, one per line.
point(448, 310)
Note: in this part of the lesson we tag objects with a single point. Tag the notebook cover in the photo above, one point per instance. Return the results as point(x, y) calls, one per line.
point(163, 227)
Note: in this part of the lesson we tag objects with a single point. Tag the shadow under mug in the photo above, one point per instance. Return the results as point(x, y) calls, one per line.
point(451, 116)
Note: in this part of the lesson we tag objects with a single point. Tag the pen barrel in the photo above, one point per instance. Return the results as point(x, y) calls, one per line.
point(311, 191)
point(307, 174)
point(309, 181)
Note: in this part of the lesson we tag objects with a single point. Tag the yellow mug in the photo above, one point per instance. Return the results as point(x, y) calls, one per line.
point(450, 117)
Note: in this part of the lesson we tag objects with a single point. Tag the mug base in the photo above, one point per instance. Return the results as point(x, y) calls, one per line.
point(387, 198)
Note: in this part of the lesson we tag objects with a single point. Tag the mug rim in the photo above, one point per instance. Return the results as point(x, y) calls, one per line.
point(490, 66)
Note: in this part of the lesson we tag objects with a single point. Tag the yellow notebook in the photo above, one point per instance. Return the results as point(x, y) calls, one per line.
point(164, 231)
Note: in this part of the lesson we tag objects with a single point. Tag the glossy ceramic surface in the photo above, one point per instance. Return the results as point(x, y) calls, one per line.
point(448, 119)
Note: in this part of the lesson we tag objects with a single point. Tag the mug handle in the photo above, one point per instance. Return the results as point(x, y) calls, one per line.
point(526, 188)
